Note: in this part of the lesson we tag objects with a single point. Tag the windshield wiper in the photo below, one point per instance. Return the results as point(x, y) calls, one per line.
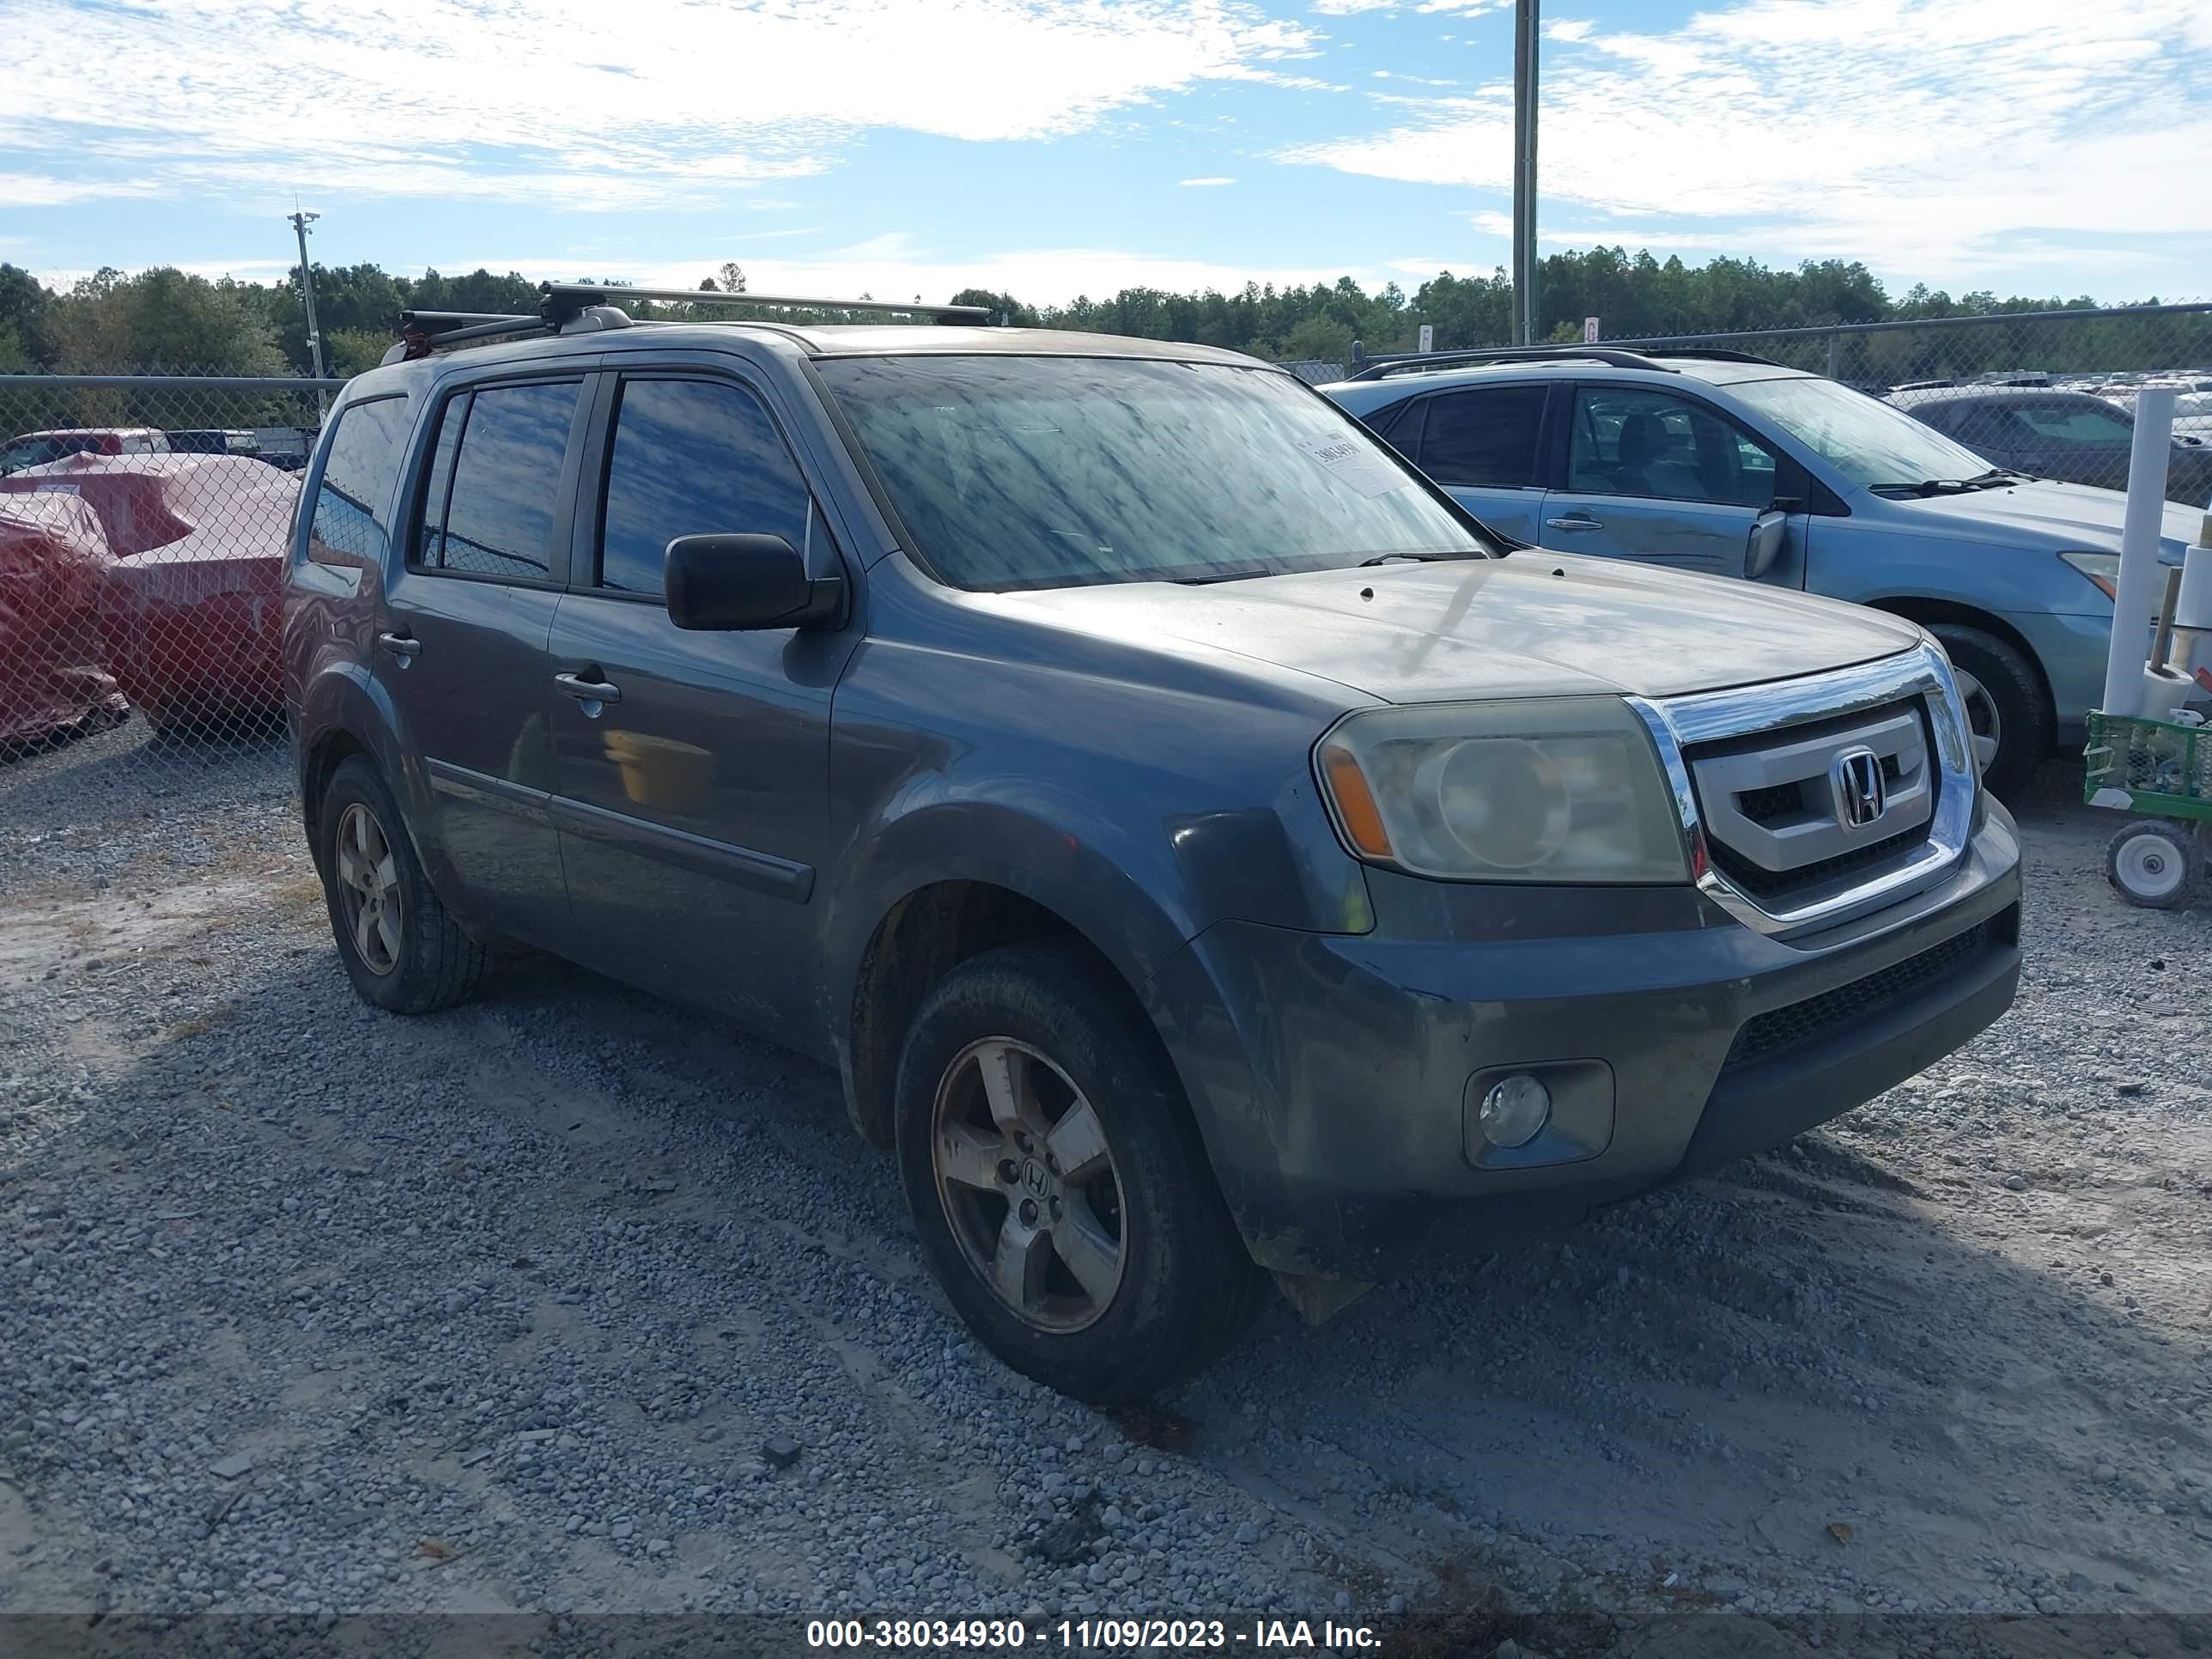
point(1223, 576)
point(1417, 558)
point(1994, 478)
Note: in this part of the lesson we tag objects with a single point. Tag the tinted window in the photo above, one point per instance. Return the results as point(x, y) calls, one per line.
point(506, 477)
point(1486, 437)
point(692, 458)
point(2084, 423)
point(1018, 473)
point(353, 506)
point(1628, 442)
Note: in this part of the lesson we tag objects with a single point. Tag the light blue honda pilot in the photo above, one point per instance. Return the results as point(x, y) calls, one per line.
point(1726, 464)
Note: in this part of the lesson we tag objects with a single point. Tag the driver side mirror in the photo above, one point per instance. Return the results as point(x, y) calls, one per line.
point(1764, 545)
point(732, 584)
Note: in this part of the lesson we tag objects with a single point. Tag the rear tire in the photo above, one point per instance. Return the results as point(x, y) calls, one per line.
point(401, 949)
point(1058, 1187)
point(2005, 702)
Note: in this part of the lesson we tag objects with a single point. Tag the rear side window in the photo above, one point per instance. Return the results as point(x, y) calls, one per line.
point(692, 458)
point(499, 513)
point(353, 504)
point(1488, 436)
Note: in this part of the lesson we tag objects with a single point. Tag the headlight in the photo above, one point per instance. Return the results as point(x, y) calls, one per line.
point(2102, 568)
point(1552, 790)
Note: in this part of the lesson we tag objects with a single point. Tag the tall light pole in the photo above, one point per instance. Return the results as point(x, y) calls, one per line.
point(300, 223)
point(1524, 173)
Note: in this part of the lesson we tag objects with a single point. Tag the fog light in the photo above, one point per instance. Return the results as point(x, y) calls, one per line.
point(1514, 1111)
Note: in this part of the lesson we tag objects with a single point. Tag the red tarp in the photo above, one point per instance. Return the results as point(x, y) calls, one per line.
point(192, 564)
point(54, 561)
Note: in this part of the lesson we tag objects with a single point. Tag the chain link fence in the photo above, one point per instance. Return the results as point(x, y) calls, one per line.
point(143, 520)
point(144, 525)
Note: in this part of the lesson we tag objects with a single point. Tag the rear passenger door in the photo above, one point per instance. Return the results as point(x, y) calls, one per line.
point(461, 645)
point(1484, 446)
point(693, 768)
point(1664, 479)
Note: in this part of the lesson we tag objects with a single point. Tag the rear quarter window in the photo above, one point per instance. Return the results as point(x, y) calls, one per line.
point(352, 519)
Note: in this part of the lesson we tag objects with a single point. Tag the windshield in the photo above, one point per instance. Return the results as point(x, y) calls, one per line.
point(1868, 441)
point(1015, 473)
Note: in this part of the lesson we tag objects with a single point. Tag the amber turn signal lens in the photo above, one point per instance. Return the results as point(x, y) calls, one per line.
point(1355, 803)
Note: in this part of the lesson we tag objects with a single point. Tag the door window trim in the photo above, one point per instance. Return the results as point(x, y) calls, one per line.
point(1541, 467)
point(588, 530)
point(1791, 480)
point(558, 551)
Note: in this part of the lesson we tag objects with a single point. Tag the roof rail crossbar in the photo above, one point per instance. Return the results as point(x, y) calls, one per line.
point(563, 300)
point(1713, 355)
point(1613, 356)
point(1610, 355)
point(437, 324)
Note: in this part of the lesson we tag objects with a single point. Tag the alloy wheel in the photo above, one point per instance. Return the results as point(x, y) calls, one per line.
point(1028, 1184)
point(368, 889)
point(1983, 715)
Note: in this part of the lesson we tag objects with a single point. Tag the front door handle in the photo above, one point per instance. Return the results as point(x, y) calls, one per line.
point(402, 645)
point(1576, 521)
point(588, 690)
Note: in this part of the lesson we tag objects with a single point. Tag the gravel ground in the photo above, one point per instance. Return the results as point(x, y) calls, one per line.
point(569, 1301)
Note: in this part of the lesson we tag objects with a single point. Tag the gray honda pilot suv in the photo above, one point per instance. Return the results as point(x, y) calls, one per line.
point(1194, 840)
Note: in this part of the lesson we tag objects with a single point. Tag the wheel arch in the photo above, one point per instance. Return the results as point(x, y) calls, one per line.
point(920, 937)
point(1927, 611)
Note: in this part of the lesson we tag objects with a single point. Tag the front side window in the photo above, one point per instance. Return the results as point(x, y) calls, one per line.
point(506, 481)
point(1625, 440)
point(353, 503)
point(2084, 423)
point(1870, 442)
point(692, 458)
point(1025, 472)
point(1488, 436)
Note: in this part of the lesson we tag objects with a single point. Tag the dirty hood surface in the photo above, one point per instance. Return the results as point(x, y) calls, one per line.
point(1532, 624)
point(2059, 517)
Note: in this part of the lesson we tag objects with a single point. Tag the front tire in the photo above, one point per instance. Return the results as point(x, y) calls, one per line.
point(2006, 704)
point(401, 949)
point(1059, 1188)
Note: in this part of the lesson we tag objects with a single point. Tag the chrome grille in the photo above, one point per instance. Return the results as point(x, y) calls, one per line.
point(1746, 764)
point(1775, 823)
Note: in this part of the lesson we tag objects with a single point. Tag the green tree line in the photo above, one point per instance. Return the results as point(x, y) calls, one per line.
point(167, 321)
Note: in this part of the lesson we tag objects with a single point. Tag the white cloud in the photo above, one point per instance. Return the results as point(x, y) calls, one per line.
point(1347, 8)
point(1569, 28)
point(1206, 183)
point(38, 190)
point(1945, 137)
point(558, 104)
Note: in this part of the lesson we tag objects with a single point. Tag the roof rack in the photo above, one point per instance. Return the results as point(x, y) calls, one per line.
point(569, 307)
point(565, 301)
point(1613, 356)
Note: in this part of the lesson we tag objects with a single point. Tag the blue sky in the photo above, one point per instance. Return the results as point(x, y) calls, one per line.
point(1058, 146)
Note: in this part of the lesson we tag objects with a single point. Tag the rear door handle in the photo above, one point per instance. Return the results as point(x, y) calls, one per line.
point(1577, 521)
point(400, 645)
point(588, 690)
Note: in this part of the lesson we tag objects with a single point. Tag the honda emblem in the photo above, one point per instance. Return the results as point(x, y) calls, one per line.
point(1862, 795)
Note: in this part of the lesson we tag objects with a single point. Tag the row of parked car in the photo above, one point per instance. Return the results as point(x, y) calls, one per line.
point(283, 447)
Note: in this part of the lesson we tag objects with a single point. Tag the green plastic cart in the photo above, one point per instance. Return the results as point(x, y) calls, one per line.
point(2161, 771)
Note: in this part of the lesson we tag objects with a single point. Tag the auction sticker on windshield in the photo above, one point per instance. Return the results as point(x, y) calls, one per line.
point(1355, 463)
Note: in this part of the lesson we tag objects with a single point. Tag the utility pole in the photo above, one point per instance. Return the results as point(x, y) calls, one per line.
point(300, 223)
point(1524, 173)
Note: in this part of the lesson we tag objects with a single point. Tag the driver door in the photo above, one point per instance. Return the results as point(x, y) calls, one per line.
point(1666, 479)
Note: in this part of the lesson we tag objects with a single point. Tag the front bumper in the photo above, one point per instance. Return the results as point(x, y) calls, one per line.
point(1331, 1074)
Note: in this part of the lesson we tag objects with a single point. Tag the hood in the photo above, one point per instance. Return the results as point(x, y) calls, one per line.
point(2049, 516)
point(1532, 624)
